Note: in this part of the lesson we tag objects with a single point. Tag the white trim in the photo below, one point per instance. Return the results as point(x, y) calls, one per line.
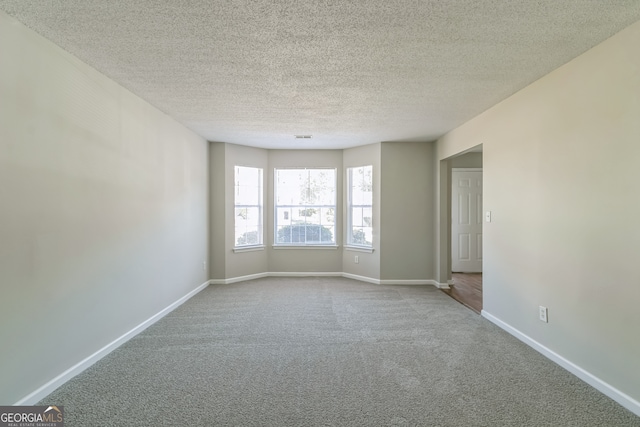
point(326, 274)
point(409, 282)
point(248, 248)
point(305, 274)
point(605, 388)
point(466, 169)
point(334, 247)
point(390, 282)
point(361, 278)
point(49, 387)
point(274, 274)
point(238, 279)
point(358, 249)
point(444, 285)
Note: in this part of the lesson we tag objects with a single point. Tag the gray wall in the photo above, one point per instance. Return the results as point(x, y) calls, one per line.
point(407, 211)
point(218, 187)
point(560, 176)
point(104, 211)
point(466, 160)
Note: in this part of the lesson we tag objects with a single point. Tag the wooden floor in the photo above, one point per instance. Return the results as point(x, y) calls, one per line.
point(467, 290)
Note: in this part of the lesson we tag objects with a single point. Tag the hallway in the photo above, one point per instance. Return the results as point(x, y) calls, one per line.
point(467, 290)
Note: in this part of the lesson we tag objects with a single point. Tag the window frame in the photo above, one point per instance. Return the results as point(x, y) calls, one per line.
point(350, 206)
point(334, 228)
point(260, 206)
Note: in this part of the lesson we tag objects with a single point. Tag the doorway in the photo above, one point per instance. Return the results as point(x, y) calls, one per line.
point(466, 220)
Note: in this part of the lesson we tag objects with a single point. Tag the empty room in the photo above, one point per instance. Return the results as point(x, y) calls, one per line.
point(265, 213)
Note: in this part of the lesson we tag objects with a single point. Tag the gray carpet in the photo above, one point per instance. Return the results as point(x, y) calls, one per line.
point(329, 352)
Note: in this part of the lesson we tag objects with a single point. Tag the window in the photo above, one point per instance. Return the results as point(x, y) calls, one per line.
point(360, 206)
point(305, 207)
point(248, 206)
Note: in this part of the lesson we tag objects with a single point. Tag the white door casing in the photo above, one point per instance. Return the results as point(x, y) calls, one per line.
point(466, 221)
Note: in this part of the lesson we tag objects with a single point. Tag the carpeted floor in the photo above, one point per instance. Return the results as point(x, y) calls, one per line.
point(329, 352)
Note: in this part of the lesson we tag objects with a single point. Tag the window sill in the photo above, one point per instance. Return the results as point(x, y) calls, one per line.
point(358, 249)
point(248, 248)
point(334, 247)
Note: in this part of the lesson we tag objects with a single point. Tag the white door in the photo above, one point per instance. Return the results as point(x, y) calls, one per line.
point(466, 221)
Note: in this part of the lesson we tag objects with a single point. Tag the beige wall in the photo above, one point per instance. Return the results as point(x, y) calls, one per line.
point(218, 186)
point(560, 173)
point(407, 211)
point(467, 160)
point(103, 218)
point(368, 263)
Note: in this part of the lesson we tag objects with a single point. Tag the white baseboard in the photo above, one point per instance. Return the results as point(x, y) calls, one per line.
point(361, 278)
point(275, 274)
point(305, 274)
point(238, 279)
point(605, 388)
point(408, 282)
point(386, 281)
point(46, 389)
point(326, 274)
point(272, 274)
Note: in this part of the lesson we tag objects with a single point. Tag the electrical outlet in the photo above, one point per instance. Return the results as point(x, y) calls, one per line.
point(204, 265)
point(356, 259)
point(544, 314)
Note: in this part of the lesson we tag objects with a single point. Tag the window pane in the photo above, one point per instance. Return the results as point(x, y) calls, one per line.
point(367, 216)
point(247, 236)
point(356, 217)
point(247, 195)
point(283, 234)
point(289, 189)
point(367, 198)
point(253, 216)
point(322, 184)
point(309, 215)
point(283, 216)
point(328, 216)
point(358, 236)
point(296, 217)
point(296, 233)
point(327, 234)
point(362, 235)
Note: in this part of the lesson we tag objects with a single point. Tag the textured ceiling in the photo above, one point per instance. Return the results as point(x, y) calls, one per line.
point(347, 72)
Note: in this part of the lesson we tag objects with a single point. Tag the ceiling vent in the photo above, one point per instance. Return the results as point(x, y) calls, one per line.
point(302, 136)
